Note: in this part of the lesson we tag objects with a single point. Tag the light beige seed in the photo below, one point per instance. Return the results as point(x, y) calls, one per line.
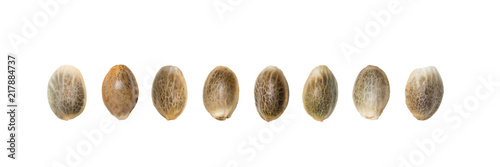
point(221, 93)
point(271, 93)
point(120, 91)
point(169, 92)
point(424, 92)
point(66, 92)
point(371, 92)
point(320, 93)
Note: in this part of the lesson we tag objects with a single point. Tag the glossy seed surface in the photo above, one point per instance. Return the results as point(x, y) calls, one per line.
point(66, 92)
point(424, 92)
point(271, 93)
point(320, 93)
point(120, 91)
point(221, 93)
point(169, 92)
point(371, 92)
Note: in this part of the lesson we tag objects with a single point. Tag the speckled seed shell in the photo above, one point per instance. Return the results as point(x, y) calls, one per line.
point(66, 92)
point(271, 93)
point(424, 92)
point(221, 93)
point(120, 91)
point(169, 92)
point(371, 92)
point(320, 93)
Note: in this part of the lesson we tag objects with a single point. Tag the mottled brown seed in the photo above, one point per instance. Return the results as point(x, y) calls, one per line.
point(66, 92)
point(221, 93)
point(169, 92)
point(371, 92)
point(271, 93)
point(424, 92)
point(320, 93)
point(120, 91)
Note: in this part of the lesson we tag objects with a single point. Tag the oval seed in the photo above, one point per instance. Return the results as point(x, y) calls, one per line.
point(120, 91)
point(424, 92)
point(169, 92)
point(66, 92)
point(371, 92)
point(221, 93)
point(320, 93)
point(271, 93)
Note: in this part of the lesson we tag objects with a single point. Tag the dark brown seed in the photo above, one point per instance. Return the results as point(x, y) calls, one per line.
point(169, 92)
point(424, 92)
point(120, 91)
point(66, 92)
point(271, 93)
point(221, 93)
point(371, 92)
point(320, 93)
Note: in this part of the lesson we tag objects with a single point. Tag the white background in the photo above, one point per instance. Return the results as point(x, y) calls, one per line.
point(460, 38)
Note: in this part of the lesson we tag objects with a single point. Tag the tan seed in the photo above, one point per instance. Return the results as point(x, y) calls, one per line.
point(271, 93)
point(169, 92)
point(424, 92)
point(320, 93)
point(371, 92)
point(120, 91)
point(221, 93)
point(66, 92)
